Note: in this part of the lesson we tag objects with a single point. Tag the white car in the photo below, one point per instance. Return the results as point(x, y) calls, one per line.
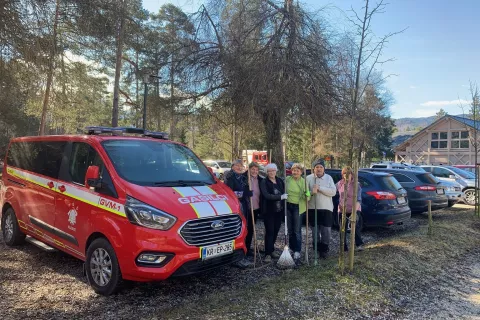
point(219, 167)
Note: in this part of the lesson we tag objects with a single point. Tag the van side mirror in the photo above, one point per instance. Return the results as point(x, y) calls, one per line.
point(92, 177)
point(452, 176)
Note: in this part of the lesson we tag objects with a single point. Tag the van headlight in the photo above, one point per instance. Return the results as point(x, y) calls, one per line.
point(147, 216)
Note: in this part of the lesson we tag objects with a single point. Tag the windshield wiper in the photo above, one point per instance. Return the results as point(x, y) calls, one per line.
point(180, 183)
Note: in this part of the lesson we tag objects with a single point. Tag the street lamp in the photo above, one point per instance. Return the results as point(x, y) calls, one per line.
point(146, 81)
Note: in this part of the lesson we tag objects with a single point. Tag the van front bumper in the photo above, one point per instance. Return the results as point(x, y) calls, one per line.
point(183, 259)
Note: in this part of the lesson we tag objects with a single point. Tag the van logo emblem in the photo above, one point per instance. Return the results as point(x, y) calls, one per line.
point(72, 216)
point(217, 224)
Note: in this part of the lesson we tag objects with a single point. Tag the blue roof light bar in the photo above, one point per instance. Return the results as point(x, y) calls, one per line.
point(95, 130)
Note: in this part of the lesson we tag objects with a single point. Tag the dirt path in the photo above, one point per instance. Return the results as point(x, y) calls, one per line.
point(454, 294)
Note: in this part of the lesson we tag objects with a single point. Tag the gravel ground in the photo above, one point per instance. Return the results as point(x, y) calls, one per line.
point(39, 285)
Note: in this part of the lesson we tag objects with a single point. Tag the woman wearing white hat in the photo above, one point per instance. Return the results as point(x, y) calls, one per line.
point(272, 189)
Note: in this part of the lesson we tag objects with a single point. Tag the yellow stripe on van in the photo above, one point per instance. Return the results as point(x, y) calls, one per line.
point(72, 192)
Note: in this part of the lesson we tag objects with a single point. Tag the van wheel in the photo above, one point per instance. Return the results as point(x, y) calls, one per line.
point(102, 269)
point(10, 229)
point(470, 196)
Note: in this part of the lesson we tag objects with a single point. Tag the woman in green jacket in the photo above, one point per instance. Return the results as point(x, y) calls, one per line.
point(296, 206)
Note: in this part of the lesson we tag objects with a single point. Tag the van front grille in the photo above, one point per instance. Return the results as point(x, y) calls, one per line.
point(207, 231)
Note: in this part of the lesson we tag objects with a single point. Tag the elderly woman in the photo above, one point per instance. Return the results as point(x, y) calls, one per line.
point(296, 205)
point(255, 181)
point(347, 171)
point(238, 182)
point(273, 192)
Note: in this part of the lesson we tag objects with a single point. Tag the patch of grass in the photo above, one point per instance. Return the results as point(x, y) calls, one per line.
point(401, 265)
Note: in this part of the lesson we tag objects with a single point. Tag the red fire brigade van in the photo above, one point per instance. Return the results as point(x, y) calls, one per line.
point(138, 208)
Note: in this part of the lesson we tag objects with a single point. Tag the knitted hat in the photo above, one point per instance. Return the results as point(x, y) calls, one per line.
point(319, 162)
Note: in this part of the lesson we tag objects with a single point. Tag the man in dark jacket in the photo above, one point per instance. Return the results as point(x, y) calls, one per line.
point(238, 182)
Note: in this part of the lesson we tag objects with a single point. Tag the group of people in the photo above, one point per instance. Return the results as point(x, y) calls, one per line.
point(269, 196)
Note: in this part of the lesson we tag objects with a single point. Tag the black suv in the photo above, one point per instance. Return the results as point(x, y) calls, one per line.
point(384, 201)
point(421, 187)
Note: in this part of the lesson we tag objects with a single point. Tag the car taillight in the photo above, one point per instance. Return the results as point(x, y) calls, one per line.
point(425, 188)
point(382, 195)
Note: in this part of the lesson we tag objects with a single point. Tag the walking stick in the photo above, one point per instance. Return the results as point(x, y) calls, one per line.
point(316, 227)
point(253, 222)
point(306, 202)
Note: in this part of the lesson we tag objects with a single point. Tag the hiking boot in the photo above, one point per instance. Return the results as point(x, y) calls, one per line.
point(296, 255)
point(275, 255)
point(268, 258)
point(360, 248)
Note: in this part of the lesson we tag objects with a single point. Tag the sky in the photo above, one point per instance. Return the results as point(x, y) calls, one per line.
point(434, 59)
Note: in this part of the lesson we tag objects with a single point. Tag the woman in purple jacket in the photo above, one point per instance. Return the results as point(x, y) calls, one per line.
point(358, 205)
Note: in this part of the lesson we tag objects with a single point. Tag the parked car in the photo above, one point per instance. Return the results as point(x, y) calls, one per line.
point(219, 167)
point(464, 178)
point(384, 201)
point(421, 187)
point(127, 206)
point(453, 191)
point(467, 167)
point(395, 165)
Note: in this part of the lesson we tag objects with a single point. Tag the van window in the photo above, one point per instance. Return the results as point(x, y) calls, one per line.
point(156, 163)
point(381, 166)
point(42, 157)
point(83, 155)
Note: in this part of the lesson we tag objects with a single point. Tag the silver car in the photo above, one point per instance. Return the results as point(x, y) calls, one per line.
point(453, 191)
point(464, 178)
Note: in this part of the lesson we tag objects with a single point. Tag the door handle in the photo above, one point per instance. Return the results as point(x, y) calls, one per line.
point(50, 184)
point(62, 188)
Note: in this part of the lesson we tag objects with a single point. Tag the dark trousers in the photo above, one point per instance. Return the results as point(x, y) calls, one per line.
point(358, 236)
point(272, 221)
point(324, 224)
point(294, 227)
point(250, 223)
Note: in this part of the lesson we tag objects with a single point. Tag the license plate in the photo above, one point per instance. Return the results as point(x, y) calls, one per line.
point(440, 191)
point(217, 250)
point(401, 200)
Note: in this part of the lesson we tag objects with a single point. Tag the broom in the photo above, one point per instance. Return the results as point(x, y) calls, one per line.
point(286, 260)
point(306, 205)
point(253, 221)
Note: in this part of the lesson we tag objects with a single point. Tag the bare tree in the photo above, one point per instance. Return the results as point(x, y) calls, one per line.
point(367, 60)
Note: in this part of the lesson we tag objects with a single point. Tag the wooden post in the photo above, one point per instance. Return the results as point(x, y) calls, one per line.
point(430, 220)
point(353, 217)
point(341, 258)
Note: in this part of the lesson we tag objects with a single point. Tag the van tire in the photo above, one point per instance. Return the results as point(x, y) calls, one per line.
point(12, 235)
point(101, 252)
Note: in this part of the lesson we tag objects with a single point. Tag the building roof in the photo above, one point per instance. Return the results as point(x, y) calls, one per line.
point(467, 121)
point(463, 120)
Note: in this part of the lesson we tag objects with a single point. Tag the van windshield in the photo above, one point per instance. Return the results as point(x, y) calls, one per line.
point(152, 163)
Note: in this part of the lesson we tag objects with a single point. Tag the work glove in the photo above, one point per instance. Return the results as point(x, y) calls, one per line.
point(307, 194)
point(284, 196)
point(239, 194)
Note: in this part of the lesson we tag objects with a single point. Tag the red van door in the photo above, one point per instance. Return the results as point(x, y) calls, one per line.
point(75, 202)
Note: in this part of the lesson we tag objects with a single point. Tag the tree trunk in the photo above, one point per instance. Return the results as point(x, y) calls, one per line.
point(172, 104)
point(118, 64)
point(51, 62)
point(272, 121)
point(357, 85)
